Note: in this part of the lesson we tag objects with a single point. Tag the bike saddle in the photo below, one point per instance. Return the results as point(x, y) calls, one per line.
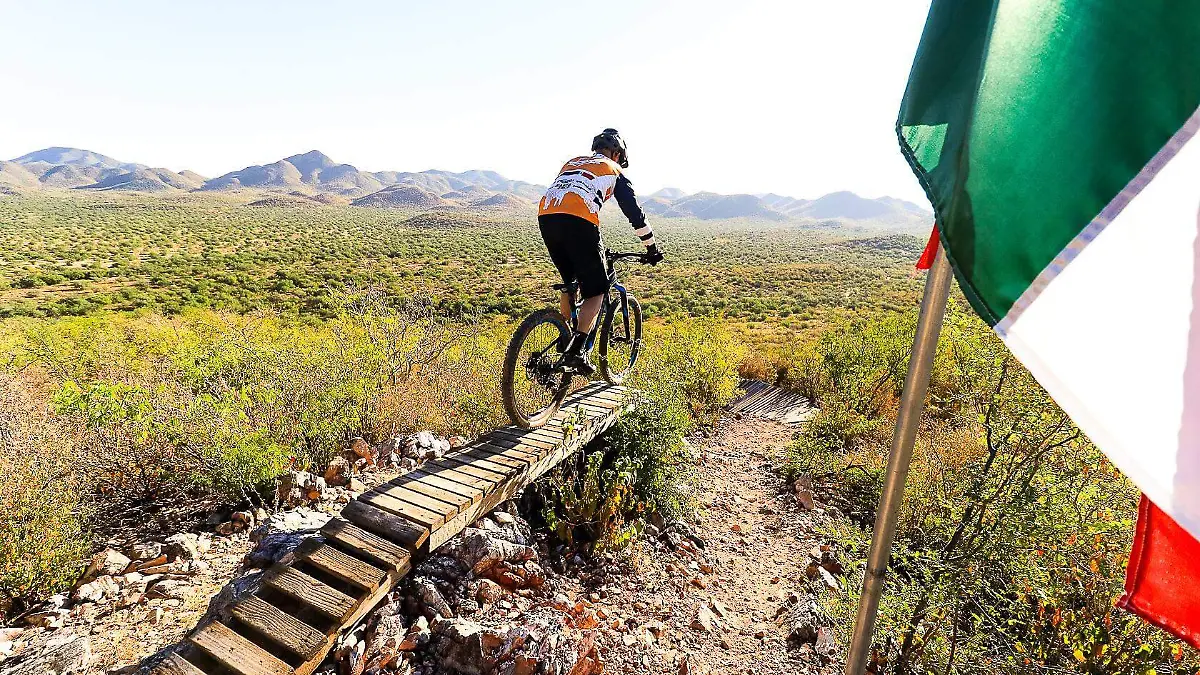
point(570, 288)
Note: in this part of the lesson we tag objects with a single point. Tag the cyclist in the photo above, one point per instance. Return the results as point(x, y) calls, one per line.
point(569, 218)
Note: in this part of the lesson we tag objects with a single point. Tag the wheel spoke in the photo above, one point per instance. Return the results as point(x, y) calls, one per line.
point(535, 384)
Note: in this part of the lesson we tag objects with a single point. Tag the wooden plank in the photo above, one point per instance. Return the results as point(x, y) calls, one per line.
point(236, 652)
point(418, 477)
point(538, 441)
point(609, 396)
point(458, 501)
point(482, 463)
point(592, 409)
point(502, 492)
point(505, 441)
point(175, 664)
point(322, 597)
point(516, 450)
point(382, 551)
point(451, 474)
point(343, 566)
point(364, 606)
point(399, 507)
point(393, 527)
point(410, 494)
point(491, 477)
point(522, 435)
point(289, 632)
point(496, 455)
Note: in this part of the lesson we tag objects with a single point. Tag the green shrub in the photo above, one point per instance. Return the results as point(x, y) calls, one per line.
point(1014, 531)
point(639, 467)
point(42, 539)
point(690, 363)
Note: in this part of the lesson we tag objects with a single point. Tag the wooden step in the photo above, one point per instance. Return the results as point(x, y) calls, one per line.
point(287, 631)
point(458, 501)
point(453, 472)
point(479, 453)
point(387, 525)
point(382, 551)
point(322, 597)
point(236, 652)
point(399, 507)
point(469, 469)
point(472, 493)
point(503, 470)
point(342, 565)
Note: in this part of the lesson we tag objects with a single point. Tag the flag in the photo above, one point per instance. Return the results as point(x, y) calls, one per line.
point(1160, 582)
point(1056, 142)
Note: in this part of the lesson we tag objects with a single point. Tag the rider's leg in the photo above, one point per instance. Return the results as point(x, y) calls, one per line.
point(588, 313)
point(564, 306)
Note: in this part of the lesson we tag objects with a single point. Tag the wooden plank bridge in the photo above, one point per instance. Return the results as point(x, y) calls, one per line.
point(331, 582)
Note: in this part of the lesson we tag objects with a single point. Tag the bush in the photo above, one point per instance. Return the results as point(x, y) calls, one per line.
point(225, 403)
point(1014, 532)
point(690, 363)
point(639, 467)
point(42, 540)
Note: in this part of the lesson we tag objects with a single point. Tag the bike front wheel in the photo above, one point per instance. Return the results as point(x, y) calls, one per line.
point(532, 383)
point(620, 341)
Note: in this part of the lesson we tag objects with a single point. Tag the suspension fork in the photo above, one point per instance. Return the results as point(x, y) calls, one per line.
point(624, 309)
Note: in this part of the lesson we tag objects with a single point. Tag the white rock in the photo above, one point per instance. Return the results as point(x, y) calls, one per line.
point(144, 551)
point(170, 589)
point(185, 546)
point(48, 618)
point(97, 590)
point(107, 562)
point(830, 581)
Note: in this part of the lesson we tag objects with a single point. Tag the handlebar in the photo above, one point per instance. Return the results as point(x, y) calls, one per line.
point(613, 256)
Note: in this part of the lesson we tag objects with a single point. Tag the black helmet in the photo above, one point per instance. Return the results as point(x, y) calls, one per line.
point(609, 139)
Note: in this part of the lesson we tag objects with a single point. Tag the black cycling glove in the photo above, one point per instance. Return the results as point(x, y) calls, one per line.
point(653, 255)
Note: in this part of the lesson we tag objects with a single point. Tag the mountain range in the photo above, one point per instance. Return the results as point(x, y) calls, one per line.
point(313, 177)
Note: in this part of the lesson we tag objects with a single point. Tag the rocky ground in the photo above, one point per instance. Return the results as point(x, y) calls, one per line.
point(746, 601)
point(733, 591)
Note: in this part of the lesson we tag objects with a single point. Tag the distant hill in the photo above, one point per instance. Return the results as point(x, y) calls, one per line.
point(145, 180)
point(314, 171)
point(313, 176)
point(401, 196)
point(73, 168)
point(847, 205)
point(74, 157)
point(711, 206)
point(17, 178)
point(503, 201)
point(837, 206)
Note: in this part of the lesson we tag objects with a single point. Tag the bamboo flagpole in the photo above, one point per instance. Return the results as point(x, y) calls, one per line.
point(912, 402)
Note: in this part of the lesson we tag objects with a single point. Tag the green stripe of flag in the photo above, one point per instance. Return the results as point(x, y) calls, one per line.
point(1025, 118)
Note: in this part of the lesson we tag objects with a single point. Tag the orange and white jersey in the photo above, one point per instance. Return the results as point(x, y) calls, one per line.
point(582, 187)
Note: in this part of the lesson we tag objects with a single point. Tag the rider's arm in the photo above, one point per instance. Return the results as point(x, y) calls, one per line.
point(627, 200)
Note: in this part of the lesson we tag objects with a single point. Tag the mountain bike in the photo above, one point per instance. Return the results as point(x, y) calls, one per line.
point(535, 382)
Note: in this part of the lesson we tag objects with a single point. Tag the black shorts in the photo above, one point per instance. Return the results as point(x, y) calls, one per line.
point(576, 250)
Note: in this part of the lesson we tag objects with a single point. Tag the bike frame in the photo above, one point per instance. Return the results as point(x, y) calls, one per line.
point(610, 259)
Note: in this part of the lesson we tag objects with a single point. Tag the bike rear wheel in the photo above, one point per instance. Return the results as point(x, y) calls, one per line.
point(532, 384)
point(619, 346)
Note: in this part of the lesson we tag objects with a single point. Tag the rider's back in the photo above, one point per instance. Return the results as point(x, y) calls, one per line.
point(581, 188)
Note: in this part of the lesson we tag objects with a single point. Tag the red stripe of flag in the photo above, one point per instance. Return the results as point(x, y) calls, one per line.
point(1161, 581)
point(926, 260)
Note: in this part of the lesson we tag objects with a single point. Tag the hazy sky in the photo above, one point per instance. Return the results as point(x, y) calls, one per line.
point(796, 97)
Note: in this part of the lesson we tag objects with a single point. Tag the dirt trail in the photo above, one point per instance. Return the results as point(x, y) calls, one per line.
point(758, 542)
